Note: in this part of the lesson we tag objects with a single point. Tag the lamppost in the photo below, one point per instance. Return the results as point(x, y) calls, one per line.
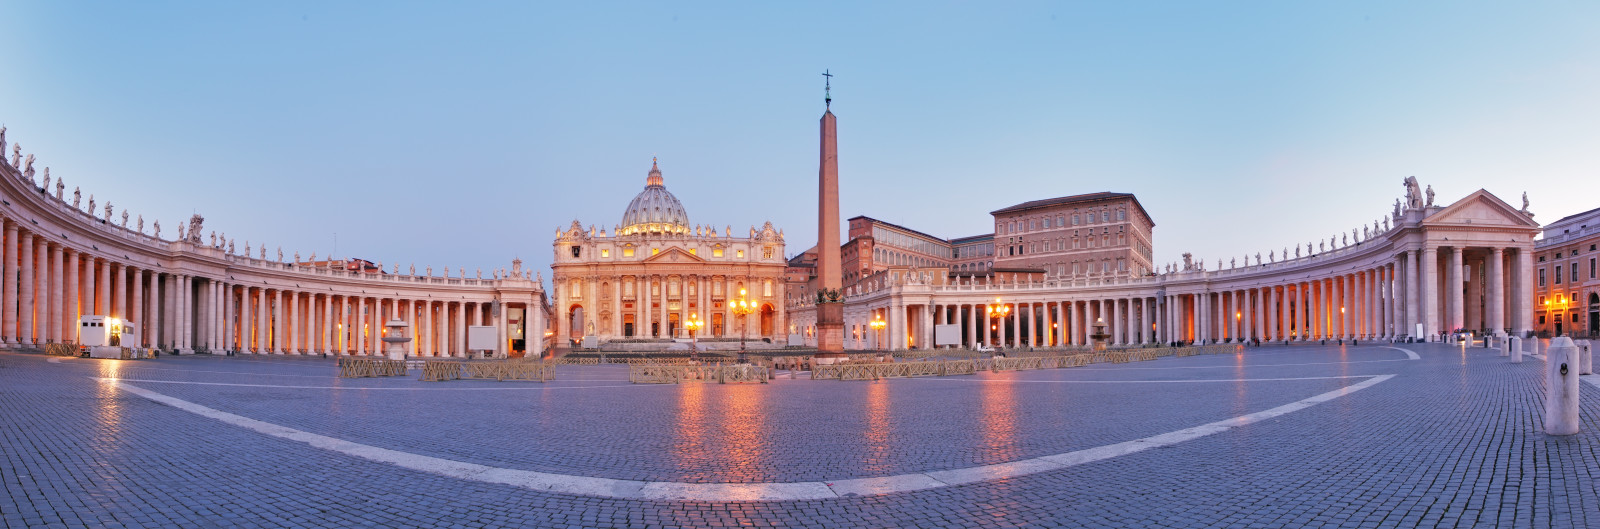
point(694, 324)
point(877, 324)
point(998, 311)
point(742, 307)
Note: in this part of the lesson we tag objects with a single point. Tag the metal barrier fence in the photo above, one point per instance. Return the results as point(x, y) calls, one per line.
point(350, 367)
point(61, 349)
point(679, 373)
point(437, 371)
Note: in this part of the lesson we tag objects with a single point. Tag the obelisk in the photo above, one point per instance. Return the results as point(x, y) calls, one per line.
point(830, 279)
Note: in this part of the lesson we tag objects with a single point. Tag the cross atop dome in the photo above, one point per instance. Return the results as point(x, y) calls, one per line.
point(654, 179)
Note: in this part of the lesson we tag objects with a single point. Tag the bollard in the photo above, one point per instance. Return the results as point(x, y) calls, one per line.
point(1585, 357)
point(1533, 345)
point(1561, 387)
point(1505, 346)
point(1516, 350)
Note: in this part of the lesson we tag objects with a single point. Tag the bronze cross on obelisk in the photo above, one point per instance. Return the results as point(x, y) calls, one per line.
point(827, 89)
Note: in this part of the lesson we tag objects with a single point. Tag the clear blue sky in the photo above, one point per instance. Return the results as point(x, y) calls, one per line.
point(463, 135)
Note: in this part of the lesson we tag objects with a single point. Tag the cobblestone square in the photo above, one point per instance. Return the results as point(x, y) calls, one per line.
point(1305, 435)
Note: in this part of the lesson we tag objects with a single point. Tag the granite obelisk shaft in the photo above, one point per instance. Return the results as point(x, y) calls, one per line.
point(830, 316)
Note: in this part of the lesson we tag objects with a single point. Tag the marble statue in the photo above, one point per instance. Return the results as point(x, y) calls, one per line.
point(1346, 239)
point(1258, 258)
point(1365, 233)
point(430, 271)
point(1397, 210)
point(16, 155)
point(1430, 195)
point(480, 273)
point(297, 257)
point(181, 235)
point(27, 169)
point(1375, 231)
point(230, 247)
point(1272, 256)
point(77, 197)
point(280, 254)
point(124, 218)
point(47, 178)
point(1524, 203)
point(1386, 225)
point(397, 269)
point(60, 186)
point(1296, 252)
point(263, 252)
point(1188, 261)
point(313, 257)
point(1232, 263)
point(2, 140)
point(108, 211)
point(141, 224)
point(196, 223)
point(157, 228)
point(1413, 193)
point(1321, 247)
point(247, 247)
point(412, 271)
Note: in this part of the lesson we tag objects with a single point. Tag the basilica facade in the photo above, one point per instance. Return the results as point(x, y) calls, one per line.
point(653, 274)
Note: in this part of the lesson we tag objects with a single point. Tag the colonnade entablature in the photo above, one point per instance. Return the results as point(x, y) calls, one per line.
point(1437, 269)
point(193, 294)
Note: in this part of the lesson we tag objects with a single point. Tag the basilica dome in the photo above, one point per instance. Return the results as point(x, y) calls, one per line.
point(655, 210)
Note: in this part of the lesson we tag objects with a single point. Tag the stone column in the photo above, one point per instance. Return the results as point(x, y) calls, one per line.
point(10, 327)
point(54, 332)
point(25, 303)
point(1497, 292)
point(1430, 293)
point(1458, 306)
point(358, 325)
point(1523, 298)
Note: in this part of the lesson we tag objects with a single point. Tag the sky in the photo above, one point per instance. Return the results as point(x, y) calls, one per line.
point(463, 134)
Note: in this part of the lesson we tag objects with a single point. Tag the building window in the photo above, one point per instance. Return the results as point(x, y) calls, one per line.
point(1541, 301)
point(1122, 215)
point(627, 252)
point(1541, 277)
point(1074, 220)
point(1558, 274)
point(1591, 268)
point(1574, 267)
point(716, 252)
point(739, 254)
point(1541, 319)
point(605, 253)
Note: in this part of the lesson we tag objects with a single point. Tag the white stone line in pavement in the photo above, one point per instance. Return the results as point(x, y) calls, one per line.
point(520, 388)
point(1009, 381)
point(1410, 355)
point(1593, 380)
point(1249, 365)
point(792, 491)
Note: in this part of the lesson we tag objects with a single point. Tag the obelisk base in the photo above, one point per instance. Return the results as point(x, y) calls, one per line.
point(830, 332)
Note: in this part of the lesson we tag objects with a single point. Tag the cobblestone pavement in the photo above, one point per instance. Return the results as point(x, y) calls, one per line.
point(1452, 439)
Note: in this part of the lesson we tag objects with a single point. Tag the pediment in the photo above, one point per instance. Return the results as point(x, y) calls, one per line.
point(674, 254)
point(1481, 208)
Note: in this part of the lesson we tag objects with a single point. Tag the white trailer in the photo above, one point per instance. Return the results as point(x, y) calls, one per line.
point(101, 336)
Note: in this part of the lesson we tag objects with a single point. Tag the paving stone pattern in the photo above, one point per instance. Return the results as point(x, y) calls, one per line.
point(1453, 440)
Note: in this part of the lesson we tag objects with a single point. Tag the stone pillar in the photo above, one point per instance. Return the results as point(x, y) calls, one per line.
point(1523, 298)
point(1454, 280)
point(26, 302)
point(47, 295)
point(1497, 292)
point(10, 255)
point(1431, 320)
point(56, 332)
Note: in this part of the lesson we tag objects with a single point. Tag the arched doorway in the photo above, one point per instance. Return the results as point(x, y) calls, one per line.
point(575, 317)
point(1594, 315)
point(768, 317)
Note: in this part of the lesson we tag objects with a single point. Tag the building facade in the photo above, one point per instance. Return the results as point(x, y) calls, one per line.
point(1096, 234)
point(1567, 301)
point(198, 293)
point(655, 272)
point(1428, 270)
